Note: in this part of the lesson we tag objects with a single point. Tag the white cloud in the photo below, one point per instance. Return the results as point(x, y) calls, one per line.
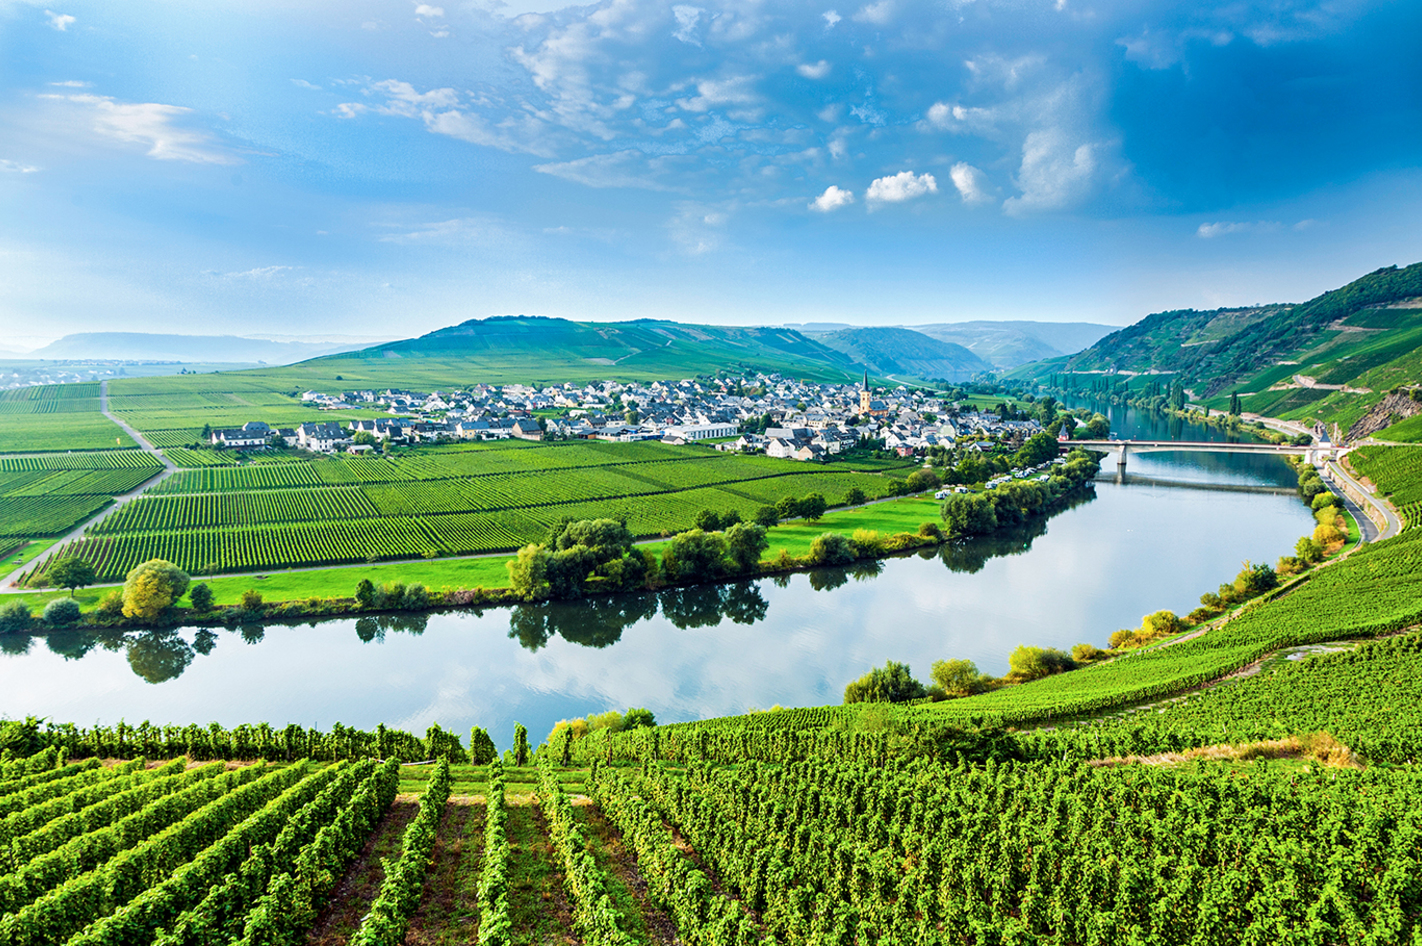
point(697, 229)
point(961, 118)
point(877, 13)
point(154, 125)
point(1208, 231)
point(59, 21)
point(1056, 172)
point(619, 169)
point(972, 183)
point(443, 114)
point(832, 199)
point(424, 9)
point(901, 187)
point(814, 70)
point(263, 273)
point(831, 18)
point(302, 83)
point(70, 84)
point(716, 93)
point(14, 167)
point(686, 19)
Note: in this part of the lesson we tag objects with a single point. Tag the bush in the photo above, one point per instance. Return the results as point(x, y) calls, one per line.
point(1086, 653)
point(1327, 535)
point(201, 597)
point(15, 616)
point(832, 548)
point(892, 683)
point(695, 554)
point(151, 588)
point(1290, 565)
point(1308, 550)
point(365, 593)
point(1324, 500)
point(111, 604)
point(62, 612)
point(958, 677)
point(1200, 615)
point(415, 598)
point(930, 530)
point(251, 600)
point(868, 541)
point(1031, 663)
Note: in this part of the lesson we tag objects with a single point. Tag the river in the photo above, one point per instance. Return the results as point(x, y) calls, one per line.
point(1179, 525)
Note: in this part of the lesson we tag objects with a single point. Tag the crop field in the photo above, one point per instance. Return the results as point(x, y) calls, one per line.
point(56, 417)
point(492, 498)
point(1397, 473)
point(49, 495)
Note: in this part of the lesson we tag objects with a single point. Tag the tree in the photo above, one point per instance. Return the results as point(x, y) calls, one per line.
point(767, 517)
point(1039, 448)
point(745, 543)
point(958, 677)
point(813, 506)
point(920, 480)
point(528, 573)
point(151, 588)
point(969, 514)
point(695, 554)
point(71, 573)
point(1308, 550)
point(481, 748)
point(832, 548)
point(201, 597)
point(855, 497)
point(251, 600)
point(520, 744)
point(891, 683)
point(1033, 662)
point(15, 616)
point(708, 521)
point(636, 718)
point(365, 593)
point(61, 612)
point(364, 438)
point(788, 508)
point(1254, 580)
point(1235, 406)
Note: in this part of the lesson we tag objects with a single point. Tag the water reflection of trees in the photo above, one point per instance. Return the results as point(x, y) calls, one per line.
point(970, 555)
point(599, 622)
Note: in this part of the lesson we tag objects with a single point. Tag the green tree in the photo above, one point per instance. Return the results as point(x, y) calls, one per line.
point(1254, 580)
point(920, 480)
point(958, 677)
point(520, 749)
point(637, 718)
point(745, 543)
point(251, 600)
point(891, 683)
point(695, 554)
point(364, 437)
point(788, 508)
point(767, 517)
point(201, 597)
point(1039, 448)
point(151, 588)
point(1308, 550)
point(969, 514)
point(708, 521)
point(365, 593)
point(528, 573)
point(813, 506)
point(62, 612)
point(855, 497)
point(71, 573)
point(832, 548)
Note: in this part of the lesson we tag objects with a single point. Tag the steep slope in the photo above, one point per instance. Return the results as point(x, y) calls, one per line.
point(903, 352)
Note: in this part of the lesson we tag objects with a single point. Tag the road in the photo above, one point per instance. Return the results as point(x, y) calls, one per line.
point(9, 584)
point(1392, 523)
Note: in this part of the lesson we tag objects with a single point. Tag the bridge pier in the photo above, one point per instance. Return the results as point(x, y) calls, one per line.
point(1121, 460)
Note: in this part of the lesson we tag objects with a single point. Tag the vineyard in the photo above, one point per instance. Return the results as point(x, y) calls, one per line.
point(483, 499)
point(56, 417)
point(48, 495)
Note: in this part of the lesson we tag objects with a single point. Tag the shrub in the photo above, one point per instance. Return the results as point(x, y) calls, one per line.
point(1086, 653)
point(958, 677)
point(415, 598)
point(62, 611)
point(868, 541)
point(930, 530)
point(1308, 550)
point(1324, 500)
point(892, 683)
point(365, 593)
point(151, 588)
point(15, 616)
point(251, 600)
point(1290, 565)
point(695, 554)
point(832, 548)
point(1031, 663)
point(111, 604)
point(1200, 615)
point(1327, 535)
point(201, 597)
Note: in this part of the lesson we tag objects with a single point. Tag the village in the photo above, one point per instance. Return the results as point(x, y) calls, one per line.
point(764, 413)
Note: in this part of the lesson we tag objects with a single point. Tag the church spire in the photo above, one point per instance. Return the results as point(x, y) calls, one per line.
point(866, 379)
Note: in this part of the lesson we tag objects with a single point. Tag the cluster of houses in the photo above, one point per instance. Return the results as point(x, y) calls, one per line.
point(782, 417)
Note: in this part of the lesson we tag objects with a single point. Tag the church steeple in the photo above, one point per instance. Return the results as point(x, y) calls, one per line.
point(864, 394)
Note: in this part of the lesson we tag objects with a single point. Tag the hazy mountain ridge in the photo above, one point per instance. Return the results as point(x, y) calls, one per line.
point(895, 352)
point(1004, 345)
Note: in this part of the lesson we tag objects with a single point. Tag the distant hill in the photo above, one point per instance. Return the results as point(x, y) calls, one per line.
point(1003, 345)
point(902, 353)
point(1329, 358)
point(533, 348)
point(230, 349)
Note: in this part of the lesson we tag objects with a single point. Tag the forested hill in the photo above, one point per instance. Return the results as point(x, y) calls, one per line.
point(1343, 334)
point(528, 348)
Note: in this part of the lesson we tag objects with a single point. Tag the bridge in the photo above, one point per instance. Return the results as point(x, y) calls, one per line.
point(1314, 453)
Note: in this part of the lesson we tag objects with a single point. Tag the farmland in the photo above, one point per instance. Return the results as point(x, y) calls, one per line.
point(56, 417)
point(47, 495)
point(443, 502)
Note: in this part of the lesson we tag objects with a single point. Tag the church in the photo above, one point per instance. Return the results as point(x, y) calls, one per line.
point(867, 406)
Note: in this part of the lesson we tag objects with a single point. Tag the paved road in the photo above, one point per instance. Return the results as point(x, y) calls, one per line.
point(1392, 522)
point(8, 584)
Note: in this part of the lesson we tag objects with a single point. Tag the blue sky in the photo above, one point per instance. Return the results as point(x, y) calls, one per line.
point(384, 167)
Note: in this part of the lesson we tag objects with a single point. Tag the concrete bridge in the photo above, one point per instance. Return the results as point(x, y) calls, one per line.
point(1315, 453)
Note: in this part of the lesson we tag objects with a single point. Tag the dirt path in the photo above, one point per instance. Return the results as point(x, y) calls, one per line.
point(538, 905)
point(353, 896)
point(647, 922)
point(448, 914)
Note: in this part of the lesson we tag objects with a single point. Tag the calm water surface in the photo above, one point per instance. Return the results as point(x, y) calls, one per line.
point(1100, 565)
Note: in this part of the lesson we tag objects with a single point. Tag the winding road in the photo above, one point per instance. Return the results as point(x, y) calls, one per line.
point(10, 583)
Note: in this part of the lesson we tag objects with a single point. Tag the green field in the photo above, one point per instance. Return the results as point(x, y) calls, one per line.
point(48, 494)
point(448, 502)
point(56, 417)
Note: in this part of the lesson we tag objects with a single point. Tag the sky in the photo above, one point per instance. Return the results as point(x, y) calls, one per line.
point(388, 167)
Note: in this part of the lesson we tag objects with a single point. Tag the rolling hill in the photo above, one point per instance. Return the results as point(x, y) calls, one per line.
point(1009, 344)
point(1330, 358)
point(901, 353)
